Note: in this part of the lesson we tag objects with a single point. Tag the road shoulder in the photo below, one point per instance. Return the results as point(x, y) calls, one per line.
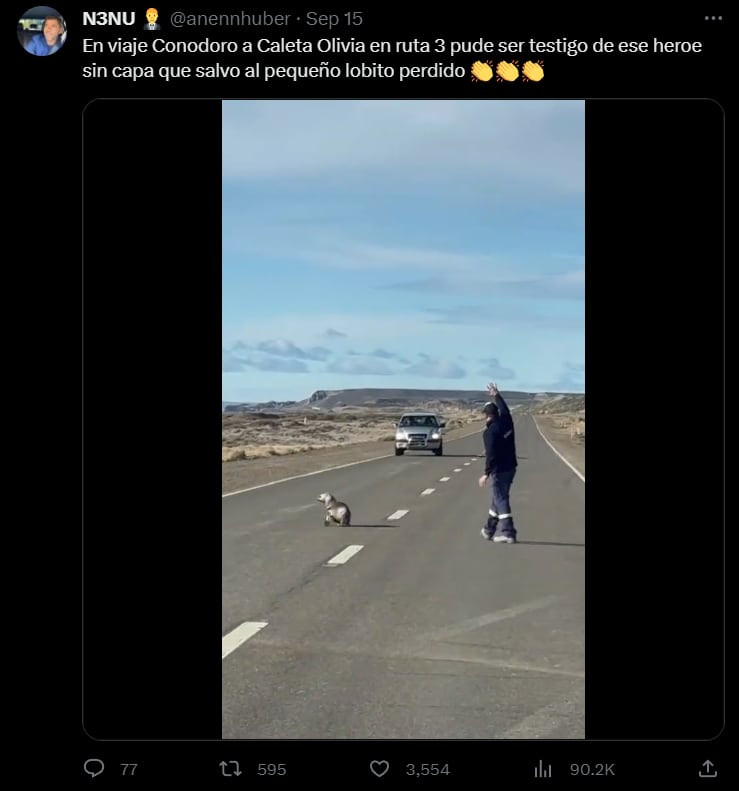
point(244, 473)
point(569, 445)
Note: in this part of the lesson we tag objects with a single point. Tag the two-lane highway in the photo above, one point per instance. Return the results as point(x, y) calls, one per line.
point(408, 624)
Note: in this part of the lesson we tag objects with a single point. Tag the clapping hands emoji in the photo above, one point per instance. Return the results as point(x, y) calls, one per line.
point(507, 71)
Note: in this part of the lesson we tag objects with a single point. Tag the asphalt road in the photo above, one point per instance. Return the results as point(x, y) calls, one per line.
point(428, 631)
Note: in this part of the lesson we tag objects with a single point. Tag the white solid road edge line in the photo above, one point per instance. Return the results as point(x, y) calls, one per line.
point(239, 635)
point(557, 453)
point(344, 555)
point(398, 514)
point(326, 469)
point(306, 475)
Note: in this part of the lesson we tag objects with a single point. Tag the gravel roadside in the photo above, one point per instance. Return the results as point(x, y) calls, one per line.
point(244, 473)
point(572, 448)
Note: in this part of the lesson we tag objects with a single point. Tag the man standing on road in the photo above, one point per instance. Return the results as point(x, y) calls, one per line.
point(500, 467)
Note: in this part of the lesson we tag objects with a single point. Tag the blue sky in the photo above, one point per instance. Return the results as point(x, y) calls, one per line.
point(402, 244)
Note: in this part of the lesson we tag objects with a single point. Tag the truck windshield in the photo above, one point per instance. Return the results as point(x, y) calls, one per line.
point(419, 420)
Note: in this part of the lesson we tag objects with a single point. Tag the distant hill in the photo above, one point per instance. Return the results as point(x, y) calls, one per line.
point(249, 406)
point(382, 397)
point(561, 404)
point(401, 398)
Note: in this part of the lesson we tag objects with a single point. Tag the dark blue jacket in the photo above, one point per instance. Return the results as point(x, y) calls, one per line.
point(500, 441)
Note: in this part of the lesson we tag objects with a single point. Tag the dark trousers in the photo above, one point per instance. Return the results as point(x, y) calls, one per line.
point(500, 517)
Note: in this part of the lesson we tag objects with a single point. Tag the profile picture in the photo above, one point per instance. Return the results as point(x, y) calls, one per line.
point(42, 30)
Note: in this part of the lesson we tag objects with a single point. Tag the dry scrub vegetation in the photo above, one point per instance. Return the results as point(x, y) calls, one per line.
point(567, 415)
point(258, 435)
point(563, 422)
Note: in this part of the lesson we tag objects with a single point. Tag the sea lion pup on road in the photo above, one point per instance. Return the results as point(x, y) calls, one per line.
point(336, 513)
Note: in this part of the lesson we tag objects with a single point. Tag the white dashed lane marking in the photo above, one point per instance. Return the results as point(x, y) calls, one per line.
point(398, 515)
point(239, 635)
point(426, 491)
point(444, 479)
point(458, 469)
point(467, 464)
point(344, 555)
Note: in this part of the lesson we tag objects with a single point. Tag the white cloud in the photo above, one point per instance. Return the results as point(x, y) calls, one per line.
point(371, 330)
point(492, 369)
point(570, 379)
point(359, 366)
point(501, 315)
point(287, 357)
point(323, 246)
point(384, 354)
point(282, 347)
point(279, 364)
point(240, 360)
point(345, 254)
point(536, 145)
point(231, 363)
point(436, 369)
point(563, 285)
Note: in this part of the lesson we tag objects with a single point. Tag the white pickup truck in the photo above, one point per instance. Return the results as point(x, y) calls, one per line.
point(419, 431)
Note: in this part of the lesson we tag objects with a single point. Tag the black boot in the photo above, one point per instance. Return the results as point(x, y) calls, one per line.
point(507, 532)
point(490, 526)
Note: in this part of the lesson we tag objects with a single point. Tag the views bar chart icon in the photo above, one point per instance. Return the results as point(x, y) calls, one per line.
point(543, 771)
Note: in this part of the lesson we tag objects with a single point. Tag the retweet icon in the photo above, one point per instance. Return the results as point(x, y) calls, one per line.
point(482, 72)
point(533, 71)
point(507, 71)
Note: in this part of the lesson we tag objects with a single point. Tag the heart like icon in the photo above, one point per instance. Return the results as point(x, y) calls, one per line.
point(379, 768)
